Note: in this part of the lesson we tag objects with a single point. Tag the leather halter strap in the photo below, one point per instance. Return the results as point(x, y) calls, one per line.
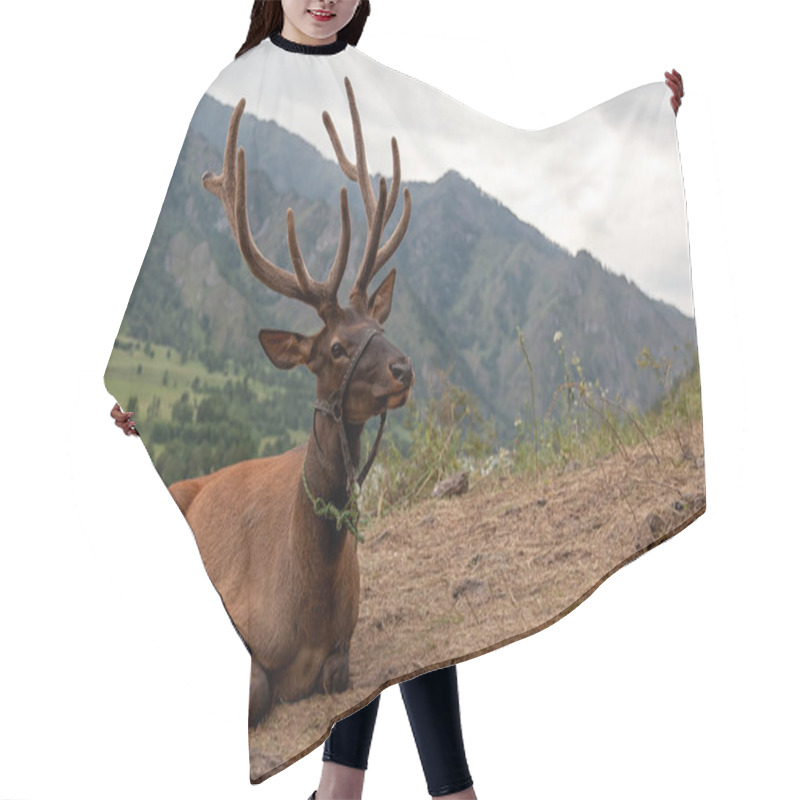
point(334, 407)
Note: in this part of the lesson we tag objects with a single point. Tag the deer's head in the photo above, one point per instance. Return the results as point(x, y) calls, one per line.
point(355, 365)
point(354, 362)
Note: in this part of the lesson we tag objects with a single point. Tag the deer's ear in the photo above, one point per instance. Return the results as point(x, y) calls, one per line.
point(380, 304)
point(286, 349)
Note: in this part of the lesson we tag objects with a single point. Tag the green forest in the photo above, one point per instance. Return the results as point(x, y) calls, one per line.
point(195, 420)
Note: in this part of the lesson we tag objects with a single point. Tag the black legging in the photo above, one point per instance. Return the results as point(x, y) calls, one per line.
point(432, 707)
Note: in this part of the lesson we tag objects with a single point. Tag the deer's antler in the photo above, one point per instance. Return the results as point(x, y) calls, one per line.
point(231, 188)
point(377, 211)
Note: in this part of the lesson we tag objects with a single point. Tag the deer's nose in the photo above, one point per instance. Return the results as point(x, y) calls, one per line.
point(402, 371)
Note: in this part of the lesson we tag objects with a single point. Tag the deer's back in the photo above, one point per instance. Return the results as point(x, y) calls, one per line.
point(240, 516)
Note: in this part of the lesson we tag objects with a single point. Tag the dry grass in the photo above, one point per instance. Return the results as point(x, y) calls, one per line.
point(450, 579)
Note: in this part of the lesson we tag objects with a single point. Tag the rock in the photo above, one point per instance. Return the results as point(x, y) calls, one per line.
point(655, 523)
point(451, 486)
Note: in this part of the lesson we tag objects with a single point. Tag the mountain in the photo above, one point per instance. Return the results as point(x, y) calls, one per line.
point(469, 273)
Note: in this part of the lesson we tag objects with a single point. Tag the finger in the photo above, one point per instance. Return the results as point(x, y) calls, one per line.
point(677, 93)
point(119, 415)
point(674, 79)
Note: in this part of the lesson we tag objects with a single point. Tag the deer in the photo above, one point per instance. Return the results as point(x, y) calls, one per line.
point(278, 535)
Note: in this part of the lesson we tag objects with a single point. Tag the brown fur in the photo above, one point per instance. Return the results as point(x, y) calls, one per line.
point(288, 577)
point(294, 602)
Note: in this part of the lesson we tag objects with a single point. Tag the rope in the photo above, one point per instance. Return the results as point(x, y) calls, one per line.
point(349, 515)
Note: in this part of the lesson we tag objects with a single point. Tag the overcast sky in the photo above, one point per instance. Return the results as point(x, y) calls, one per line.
point(607, 181)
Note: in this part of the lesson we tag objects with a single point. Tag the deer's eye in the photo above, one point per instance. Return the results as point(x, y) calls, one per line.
point(337, 350)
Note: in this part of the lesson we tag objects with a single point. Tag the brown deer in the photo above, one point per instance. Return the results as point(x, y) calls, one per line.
point(275, 533)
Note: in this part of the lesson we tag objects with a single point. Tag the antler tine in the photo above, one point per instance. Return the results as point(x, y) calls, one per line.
point(358, 294)
point(300, 286)
point(230, 187)
point(303, 278)
point(394, 189)
point(322, 293)
point(223, 186)
point(348, 167)
point(376, 218)
point(387, 251)
point(355, 172)
point(361, 157)
point(277, 279)
point(340, 263)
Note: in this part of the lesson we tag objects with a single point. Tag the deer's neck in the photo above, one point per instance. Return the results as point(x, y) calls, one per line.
point(325, 466)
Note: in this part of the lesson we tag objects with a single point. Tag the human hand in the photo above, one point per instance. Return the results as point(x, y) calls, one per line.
point(124, 420)
point(675, 82)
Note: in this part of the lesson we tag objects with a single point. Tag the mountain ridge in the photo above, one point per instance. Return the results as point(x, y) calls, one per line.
point(470, 272)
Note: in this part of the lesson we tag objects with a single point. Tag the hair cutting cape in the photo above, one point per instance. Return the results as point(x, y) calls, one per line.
point(521, 320)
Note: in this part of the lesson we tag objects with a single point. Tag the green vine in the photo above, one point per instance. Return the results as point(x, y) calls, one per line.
point(349, 515)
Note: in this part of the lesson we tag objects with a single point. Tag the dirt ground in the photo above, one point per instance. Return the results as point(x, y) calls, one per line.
point(456, 577)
